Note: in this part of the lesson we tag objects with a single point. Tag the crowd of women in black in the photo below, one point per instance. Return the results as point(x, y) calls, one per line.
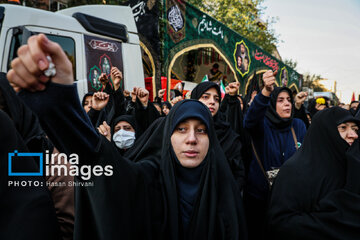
point(200, 168)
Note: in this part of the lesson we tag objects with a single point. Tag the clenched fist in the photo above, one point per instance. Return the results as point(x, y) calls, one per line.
point(269, 82)
point(28, 68)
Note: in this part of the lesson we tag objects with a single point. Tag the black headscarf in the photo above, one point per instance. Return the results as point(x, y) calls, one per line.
point(313, 196)
point(168, 104)
point(217, 195)
point(201, 88)
point(228, 139)
point(144, 146)
point(188, 179)
point(127, 118)
point(26, 122)
point(271, 113)
point(352, 111)
point(27, 212)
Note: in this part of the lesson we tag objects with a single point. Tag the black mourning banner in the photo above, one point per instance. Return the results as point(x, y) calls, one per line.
point(101, 56)
point(146, 14)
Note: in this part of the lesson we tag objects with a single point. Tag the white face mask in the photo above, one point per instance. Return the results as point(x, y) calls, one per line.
point(124, 139)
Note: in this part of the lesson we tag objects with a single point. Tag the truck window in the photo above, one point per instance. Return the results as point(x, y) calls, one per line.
point(67, 43)
point(14, 45)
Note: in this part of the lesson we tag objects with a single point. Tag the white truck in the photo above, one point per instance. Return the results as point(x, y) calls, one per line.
point(95, 38)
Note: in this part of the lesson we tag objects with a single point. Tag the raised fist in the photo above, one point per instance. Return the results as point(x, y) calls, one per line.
point(99, 100)
point(269, 82)
point(27, 70)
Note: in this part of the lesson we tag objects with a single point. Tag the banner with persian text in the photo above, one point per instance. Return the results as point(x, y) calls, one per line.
point(188, 28)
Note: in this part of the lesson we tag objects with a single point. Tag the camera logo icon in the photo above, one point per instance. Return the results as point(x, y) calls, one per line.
point(17, 156)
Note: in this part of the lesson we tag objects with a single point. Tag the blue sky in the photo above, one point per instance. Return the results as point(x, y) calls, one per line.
point(323, 36)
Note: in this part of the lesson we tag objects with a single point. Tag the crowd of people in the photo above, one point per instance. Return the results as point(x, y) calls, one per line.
point(198, 168)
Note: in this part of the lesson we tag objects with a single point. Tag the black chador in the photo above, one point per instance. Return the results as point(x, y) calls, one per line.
point(317, 192)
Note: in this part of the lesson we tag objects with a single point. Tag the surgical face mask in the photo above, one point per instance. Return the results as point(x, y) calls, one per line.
point(124, 139)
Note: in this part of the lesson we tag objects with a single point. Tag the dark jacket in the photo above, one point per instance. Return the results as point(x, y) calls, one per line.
point(273, 145)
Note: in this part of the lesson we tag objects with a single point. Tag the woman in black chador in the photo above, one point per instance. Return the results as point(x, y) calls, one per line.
point(185, 192)
point(317, 192)
point(188, 192)
point(230, 142)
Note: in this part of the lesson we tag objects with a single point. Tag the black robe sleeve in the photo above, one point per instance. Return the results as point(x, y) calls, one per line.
point(230, 107)
point(116, 206)
point(145, 116)
point(119, 103)
point(94, 116)
point(27, 212)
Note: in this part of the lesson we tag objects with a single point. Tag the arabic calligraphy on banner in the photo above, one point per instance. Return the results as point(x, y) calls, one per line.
point(210, 27)
point(175, 20)
point(268, 61)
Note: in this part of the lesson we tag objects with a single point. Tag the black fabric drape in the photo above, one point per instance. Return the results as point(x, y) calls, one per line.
point(230, 107)
point(145, 116)
point(356, 112)
point(230, 143)
point(231, 110)
point(141, 200)
point(228, 139)
point(26, 122)
point(316, 192)
point(301, 114)
point(217, 211)
point(27, 212)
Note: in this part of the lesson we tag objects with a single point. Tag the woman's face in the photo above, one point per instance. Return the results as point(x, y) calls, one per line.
point(348, 131)
point(283, 105)
point(190, 142)
point(239, 61)
point(165, 109)
point(87, 103)
point(124, 125)
point(211, 99)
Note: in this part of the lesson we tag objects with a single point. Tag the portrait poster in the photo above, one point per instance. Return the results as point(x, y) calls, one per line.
point(242, 58)
point(101, 56)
